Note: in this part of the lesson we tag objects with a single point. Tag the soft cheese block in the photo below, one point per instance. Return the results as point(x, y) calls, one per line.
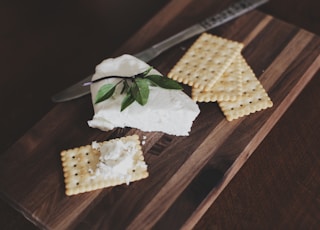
point(167, 110)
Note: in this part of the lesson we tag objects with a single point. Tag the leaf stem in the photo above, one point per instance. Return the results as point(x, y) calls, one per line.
point(103, 78)
point(143, 74)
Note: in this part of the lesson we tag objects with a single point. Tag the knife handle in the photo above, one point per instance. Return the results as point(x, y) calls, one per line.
point(233, 11)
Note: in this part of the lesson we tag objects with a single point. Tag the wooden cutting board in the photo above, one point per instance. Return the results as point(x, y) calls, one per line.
point(186, 173)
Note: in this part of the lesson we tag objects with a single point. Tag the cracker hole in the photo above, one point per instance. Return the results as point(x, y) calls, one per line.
point(75, 165)
point(77, 183)
point(76, 174)
point(87, 153)
point(73, 157)
point(88, 162)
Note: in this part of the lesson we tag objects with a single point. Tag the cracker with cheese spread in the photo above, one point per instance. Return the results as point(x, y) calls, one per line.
point(101, 165)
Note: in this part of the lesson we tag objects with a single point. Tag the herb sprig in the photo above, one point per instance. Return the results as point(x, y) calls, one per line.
point(136, 87)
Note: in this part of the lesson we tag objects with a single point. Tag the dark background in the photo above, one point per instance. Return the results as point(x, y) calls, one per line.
point(54, 43)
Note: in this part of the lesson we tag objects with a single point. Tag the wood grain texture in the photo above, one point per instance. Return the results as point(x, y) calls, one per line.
point(290, 156)
point(284, 57)
point(303, 14)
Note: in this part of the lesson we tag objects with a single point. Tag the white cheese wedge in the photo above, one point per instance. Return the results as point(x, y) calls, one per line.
point(167, 110)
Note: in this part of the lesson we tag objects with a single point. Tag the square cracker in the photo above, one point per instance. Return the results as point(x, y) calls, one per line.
point(227, 88)
point(254, 97)
point(79, 165)
point(205, 61)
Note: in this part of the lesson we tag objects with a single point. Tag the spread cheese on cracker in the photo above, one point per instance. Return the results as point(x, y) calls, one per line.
point(105, 164)
point(168, 111)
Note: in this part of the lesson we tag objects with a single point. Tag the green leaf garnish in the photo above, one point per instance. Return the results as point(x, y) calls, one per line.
point(125, 87)
point(105, 92)
point(164, 82)
point(136, 87)
point(127, 100)
point(145, 73)
point(140, 90)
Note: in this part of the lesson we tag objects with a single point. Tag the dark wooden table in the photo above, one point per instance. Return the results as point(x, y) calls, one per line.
point(53, 45)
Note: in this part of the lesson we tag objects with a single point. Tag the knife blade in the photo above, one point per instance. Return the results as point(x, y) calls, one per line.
point(233, 11)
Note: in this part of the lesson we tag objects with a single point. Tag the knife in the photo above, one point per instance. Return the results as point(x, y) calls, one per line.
point(235, 10)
